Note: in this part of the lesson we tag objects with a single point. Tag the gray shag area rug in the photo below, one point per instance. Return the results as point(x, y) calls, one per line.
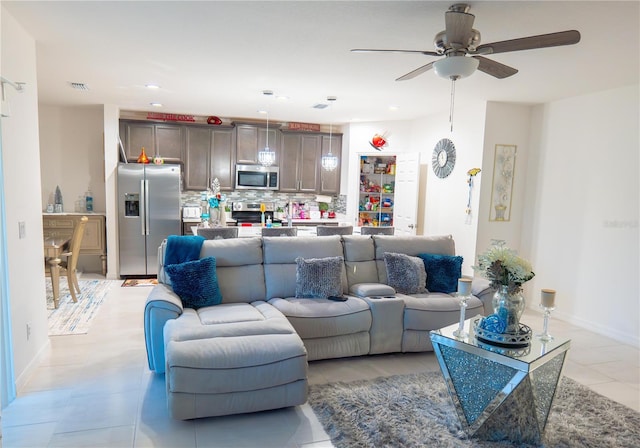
point(416, 411)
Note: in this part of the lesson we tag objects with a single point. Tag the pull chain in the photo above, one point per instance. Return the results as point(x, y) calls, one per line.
point(453, 95)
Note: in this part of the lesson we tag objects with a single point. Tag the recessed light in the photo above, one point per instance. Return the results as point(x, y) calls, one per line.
point(394, 107)
point(152, 86)
point(263, 112)
point(282, 98)
point(156, 104)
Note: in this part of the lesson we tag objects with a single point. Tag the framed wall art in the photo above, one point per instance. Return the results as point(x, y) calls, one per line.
point(504, 165)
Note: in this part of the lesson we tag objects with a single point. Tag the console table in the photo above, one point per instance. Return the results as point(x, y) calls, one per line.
point(60, 225)
point(500, 393)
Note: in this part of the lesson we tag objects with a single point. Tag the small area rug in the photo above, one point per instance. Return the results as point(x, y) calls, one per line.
point(416, 411)
point(75, 318)
point(140, 282)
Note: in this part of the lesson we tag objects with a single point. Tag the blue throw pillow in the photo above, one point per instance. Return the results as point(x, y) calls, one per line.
point(196, 282)
point(443, 272)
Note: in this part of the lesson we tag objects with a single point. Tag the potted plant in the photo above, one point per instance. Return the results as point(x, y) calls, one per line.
point(324, 208)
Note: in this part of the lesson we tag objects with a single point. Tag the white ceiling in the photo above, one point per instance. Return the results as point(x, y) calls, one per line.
point(216, 58)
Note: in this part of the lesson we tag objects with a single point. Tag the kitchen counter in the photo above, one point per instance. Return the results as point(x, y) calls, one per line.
point(75, 214)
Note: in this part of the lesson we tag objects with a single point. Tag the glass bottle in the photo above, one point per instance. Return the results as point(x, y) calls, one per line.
point(142, 158)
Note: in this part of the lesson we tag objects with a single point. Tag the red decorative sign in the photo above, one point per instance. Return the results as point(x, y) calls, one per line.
point(169, 117)
point(304, 127)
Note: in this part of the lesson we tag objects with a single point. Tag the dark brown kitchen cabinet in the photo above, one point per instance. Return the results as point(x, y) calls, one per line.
point(209, 154)
point(250, 139)
point(299, 162)
point(197, 158)
point(158, 139)
point(330, 180)
point(223, 147)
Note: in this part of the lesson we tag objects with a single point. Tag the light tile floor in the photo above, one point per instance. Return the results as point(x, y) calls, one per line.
point(95, 390)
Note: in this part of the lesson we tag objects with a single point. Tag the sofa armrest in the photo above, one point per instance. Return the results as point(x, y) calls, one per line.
point(481, 288)
point(162, 305)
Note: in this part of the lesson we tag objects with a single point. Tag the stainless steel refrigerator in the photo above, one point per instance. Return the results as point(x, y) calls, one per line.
point(148, 212)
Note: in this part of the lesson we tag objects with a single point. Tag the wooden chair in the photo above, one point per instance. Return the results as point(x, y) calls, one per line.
point(334, 230)
point(279, 231)
point(370, 230)
point(218, 233)
point(69, 259)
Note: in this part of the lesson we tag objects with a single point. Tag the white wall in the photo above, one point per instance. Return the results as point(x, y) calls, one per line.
point(21, 176)
point(442, 202)
point(506, 124)
point(582, 222)
point(71, 155)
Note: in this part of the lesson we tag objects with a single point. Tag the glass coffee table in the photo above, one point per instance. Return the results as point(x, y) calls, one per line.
point(500, 393)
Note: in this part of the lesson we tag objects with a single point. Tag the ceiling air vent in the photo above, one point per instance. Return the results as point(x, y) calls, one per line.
point(79, 86)
point(320, 106)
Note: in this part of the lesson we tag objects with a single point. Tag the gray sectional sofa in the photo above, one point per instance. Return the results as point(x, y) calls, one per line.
point(250, 352)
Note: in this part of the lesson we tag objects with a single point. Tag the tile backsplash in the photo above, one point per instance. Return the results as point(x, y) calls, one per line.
point(338, 203)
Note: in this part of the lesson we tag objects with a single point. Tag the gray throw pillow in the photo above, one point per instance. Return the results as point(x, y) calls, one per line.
point(405, 274)
point(319, 277)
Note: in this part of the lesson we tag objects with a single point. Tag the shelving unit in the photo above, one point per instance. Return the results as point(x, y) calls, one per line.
point(377, 187)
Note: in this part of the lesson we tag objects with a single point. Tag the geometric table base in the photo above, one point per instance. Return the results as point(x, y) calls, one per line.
point(498, 397)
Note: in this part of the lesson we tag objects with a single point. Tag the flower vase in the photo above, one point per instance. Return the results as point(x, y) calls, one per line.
point(214, 216)
point(509, 308)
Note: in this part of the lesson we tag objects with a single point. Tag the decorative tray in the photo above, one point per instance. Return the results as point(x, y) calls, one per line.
point(508, 340)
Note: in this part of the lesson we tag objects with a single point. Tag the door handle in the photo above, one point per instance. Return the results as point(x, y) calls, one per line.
point(411, 226)
point(146, 206)
point(143, 205)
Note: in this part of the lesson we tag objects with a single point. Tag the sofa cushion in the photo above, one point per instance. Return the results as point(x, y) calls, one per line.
point(319, 277)
point(280, 261)
point(195, 282)
point(410, 245)
point(321, 318)
point(405, 274)
point(443, 272)
point(359, 259)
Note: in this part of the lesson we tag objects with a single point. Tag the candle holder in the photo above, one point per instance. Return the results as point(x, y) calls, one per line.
point(545, 336)
point(464, 293)
point(547, 303)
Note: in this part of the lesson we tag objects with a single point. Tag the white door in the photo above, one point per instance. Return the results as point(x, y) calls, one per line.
point(405, 208)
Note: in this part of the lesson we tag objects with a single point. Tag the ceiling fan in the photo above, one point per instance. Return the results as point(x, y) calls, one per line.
point(459, 44)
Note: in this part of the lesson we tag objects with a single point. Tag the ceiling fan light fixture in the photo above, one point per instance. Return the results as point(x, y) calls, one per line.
point(455, 67)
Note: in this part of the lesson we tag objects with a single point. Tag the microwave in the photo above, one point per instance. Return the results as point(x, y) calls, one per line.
point(257, 177)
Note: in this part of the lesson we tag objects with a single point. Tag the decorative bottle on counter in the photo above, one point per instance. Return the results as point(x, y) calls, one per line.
point(142, 158)
point(88, 200)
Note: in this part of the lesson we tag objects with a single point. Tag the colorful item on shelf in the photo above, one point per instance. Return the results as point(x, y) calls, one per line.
point(158, 160)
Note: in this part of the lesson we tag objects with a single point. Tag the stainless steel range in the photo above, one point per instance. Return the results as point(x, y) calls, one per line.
point(248, 213)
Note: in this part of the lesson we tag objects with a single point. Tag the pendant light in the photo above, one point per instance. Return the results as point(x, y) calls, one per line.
point(266, 157)
point(329, 161)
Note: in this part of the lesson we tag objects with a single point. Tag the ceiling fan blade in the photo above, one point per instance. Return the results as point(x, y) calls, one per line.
point(495, 69)
point(374, 50)
point(532, 42)
point(416, 72)
point(458, 27)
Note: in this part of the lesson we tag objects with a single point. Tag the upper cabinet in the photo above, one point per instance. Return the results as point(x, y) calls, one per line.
point(250, 139)
point(330, 180)
point(209, 154)
point(299, 162)
point(158, 139)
